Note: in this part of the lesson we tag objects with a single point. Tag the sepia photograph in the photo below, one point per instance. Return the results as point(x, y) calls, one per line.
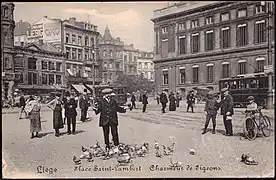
point(142, 89)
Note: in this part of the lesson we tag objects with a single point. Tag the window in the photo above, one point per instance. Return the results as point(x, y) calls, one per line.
point(58, 79)
point(68, 66)
point(260, 65)
point(164, 30)
point(79, 40)
point(195, 42)
point(260, 30)
point(182, 75)
point(51, 66)
point(135, 58)
point(241, 13)
point(44, 65)
point(111, 53)
point(225, 70)
point(181, 26)
point(73, 39)
point(182, 44)
point(105, 65)
point(104, 53)
point(32, 64)
point(67, 53)
point(225, 17)
point(51, 79)
point(79, 54)
point(164, 51)
point(67, 38)
point(125, 57)
point(32, 78)
point(260, 9)
point(242, 35)
point(44, 78)
point(210, 73)
point(195, 74)
point(74, 55)
point(18, 63)
point(92, 41)
point(165, 77)
point(110, 65)
point(242, 67)
point(21, 80)
point(86, 41)
point(58, 66)
point(5, 12)
point(139, 65)
point(117, 65)
point(226, 37)
point(130, 57)
point(209, 20)
point(146, 65)
point(209, 40)
point(195, 23)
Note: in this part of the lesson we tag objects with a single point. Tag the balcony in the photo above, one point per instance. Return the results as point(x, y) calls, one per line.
point(90, 63)
point(76, 79)
point(90, 80)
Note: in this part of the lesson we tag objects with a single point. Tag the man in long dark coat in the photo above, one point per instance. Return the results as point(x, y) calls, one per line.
point(178, 98)
point(172, 99)
point(22, 104)
point(144, 101)
point(227, 111)
point(163, 100)
point(70, 106)
point(108, 117)
point(84, 104)
point(190, 101)
point(133, 99)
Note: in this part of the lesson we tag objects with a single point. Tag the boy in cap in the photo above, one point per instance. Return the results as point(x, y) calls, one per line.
point(210, 110)
point(108, 108)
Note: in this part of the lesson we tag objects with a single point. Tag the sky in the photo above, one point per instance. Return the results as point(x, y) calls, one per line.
point(131, 21)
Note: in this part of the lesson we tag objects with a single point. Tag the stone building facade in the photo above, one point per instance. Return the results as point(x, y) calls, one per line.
point(199, 43)
point(20, 33)
point(111, 56)
point(130, 55)
point(8, 78)
point(145, 65)
point(41, 68)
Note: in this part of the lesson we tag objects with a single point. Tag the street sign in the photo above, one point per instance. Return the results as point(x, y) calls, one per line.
point(268, 69)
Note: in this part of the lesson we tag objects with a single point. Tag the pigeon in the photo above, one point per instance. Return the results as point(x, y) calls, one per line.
point(166, 151)
point(171, 148)
point(90, 157)
point(192, 152)
point(140, 153)
point(124, 159)
point(158, 153)
point(97, 145)
point(176, 163)
point(156, 145)
point(248, 160)
point(83, 149)
point(76, 160)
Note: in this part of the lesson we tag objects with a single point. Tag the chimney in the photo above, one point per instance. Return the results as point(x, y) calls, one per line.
point(40, 42)
point(72, 20)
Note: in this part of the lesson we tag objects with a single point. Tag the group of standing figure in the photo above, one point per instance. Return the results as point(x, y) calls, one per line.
point(68, 105)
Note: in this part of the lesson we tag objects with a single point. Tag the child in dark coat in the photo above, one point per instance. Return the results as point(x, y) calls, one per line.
point(211, 109)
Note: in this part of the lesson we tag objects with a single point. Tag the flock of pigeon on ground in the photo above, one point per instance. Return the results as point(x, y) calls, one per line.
point(124, 153)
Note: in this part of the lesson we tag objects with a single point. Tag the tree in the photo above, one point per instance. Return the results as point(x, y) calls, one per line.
point(135, 83)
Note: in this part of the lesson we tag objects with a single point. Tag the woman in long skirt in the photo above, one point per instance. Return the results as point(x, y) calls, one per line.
point(172, 99)
point(34, 111)
point(56, 106)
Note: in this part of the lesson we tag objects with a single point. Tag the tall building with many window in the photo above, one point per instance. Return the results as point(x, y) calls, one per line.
point(145, 65)
point(111, 56)
point(199, 43)
point(130, 55)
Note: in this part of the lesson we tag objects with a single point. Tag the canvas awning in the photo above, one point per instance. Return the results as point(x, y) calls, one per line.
point(79, 87)
point(70, 72)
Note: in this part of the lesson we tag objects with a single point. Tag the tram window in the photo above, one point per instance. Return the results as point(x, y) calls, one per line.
point(234, 85)
point(254, 83)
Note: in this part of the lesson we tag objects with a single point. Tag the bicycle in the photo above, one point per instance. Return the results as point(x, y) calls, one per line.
point(251, 120)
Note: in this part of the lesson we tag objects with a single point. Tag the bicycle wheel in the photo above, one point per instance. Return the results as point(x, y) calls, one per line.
point(250, 129)
point(266, 130)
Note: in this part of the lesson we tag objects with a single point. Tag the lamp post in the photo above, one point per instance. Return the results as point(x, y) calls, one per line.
point(94, 60)
point(269, 52)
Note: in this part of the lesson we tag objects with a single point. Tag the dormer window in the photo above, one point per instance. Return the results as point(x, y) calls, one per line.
point(209, 20)
point(164, 30)
point(241, 13)
point(181, 26)
point(195, 23)
point(260, 9)
point(225, 17)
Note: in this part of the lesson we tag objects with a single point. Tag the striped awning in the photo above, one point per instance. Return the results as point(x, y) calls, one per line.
point(79, 87)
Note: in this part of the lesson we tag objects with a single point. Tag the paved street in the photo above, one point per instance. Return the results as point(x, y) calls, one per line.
point(23, 155)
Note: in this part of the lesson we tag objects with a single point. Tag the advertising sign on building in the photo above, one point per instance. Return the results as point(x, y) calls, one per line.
point(52, 31)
